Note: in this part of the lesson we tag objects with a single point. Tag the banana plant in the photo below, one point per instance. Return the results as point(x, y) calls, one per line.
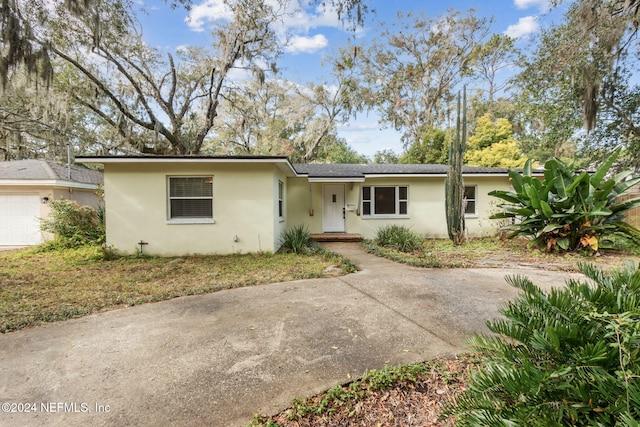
point(568, 210)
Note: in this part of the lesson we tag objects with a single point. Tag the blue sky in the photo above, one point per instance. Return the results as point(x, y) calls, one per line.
point(316, 32)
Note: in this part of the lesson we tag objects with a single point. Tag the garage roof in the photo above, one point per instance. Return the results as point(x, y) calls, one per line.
point(38, 171)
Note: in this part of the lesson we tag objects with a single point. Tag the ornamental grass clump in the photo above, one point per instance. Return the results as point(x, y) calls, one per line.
point(399, 238)
point(569, 211)
point(568, 357)
point(296, 240)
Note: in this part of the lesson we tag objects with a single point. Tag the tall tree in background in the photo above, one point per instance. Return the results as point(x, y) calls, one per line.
point(493, 145)
point(411, 73)
point(155, 103)
point(163, 104)
point(580, 77)
point(283, 118)
point(433, 147)
point(22, 46)
point(496, 55)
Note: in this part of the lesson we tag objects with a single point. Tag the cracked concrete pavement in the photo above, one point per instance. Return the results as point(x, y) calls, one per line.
point(217, 359)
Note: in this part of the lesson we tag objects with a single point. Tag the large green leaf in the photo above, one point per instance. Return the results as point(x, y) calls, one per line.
point(516, 181)
point(530, 191)
point(502, 215)
point(526, 212)
point(550, 168)
point(584, 176)
point(603, 192)
point(527, 171)
point(621, 187)
point(506, 195)
point(564, 243)
point(601, 212)
point(602, 171)
point(546, 209)
point(625, 205)
point(551, 227)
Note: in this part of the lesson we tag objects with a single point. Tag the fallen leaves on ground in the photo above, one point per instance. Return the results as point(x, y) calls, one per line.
point(415, 402)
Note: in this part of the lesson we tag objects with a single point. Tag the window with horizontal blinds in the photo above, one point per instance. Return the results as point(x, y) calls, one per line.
point(385, 200)
point(190, 197)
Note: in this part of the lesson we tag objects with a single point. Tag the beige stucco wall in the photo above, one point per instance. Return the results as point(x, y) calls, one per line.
point(136, 199)
point(426, 206)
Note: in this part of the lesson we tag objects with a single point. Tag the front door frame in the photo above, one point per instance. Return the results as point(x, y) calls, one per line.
point(334, 208)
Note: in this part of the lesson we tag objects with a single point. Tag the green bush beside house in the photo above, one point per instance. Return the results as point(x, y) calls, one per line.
point(567, 210)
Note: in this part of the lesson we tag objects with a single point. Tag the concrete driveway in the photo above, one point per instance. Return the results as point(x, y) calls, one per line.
point(217, 359)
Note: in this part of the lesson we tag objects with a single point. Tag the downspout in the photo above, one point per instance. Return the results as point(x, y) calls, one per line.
point(69, 161)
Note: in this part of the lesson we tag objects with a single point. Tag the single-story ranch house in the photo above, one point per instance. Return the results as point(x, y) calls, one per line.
point(177, 205)
point(27, 186)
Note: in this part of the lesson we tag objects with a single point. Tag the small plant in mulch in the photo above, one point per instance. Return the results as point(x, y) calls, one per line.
point(388, 395)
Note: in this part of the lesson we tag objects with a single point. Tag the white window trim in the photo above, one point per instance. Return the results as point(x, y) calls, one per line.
point(202, 220)
point(174, 221)
point(475, 200)
point(281, 200)
point(372, 215)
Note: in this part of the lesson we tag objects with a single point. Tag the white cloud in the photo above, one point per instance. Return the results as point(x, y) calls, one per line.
point(359, 126)
point(524, 27)
point(208, 11)
point(294, 24)
point(525, 4)
point(302, 44)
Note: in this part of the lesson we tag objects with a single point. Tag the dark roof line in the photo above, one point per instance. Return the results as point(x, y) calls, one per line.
point(360, 170)
point(326, 170)
point(40, 169)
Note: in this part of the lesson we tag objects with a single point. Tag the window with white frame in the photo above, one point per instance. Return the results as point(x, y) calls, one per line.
point(280, 199)
point(470, 200)
point(385, 200)
point(190, 198)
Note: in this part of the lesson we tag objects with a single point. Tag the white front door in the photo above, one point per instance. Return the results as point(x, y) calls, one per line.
point(333, 213)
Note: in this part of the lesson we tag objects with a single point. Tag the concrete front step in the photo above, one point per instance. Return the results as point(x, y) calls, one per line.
point(336, 237)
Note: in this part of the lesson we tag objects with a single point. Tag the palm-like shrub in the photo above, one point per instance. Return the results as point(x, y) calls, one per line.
point(569, 357)
point(568, 210)
point(399, 238)
point(296, 239)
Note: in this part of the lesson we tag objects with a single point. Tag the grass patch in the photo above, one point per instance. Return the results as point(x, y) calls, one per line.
point(494, 252)
point(43, 286)
point(372, 398)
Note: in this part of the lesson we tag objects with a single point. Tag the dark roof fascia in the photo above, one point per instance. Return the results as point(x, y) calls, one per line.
point(362, 171)
point(347, 174)
point(277, 160)
point(96, 159)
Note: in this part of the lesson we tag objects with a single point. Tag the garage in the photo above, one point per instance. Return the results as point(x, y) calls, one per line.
point(19, 223)
point(26, 189)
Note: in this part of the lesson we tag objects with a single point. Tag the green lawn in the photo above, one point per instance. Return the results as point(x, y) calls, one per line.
point(38, 287)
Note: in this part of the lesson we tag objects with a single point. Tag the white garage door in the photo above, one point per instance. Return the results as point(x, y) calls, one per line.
point(19, 224)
